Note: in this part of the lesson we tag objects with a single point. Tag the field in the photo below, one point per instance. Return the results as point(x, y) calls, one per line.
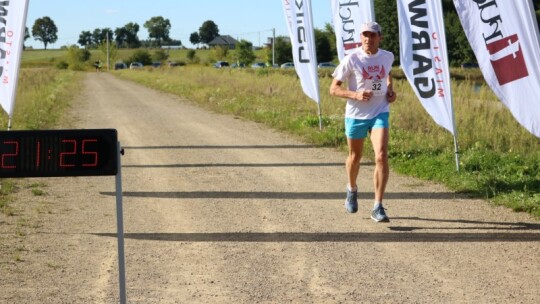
point(499, 160)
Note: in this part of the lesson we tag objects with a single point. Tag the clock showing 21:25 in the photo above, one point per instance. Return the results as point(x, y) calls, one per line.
point(50, 153)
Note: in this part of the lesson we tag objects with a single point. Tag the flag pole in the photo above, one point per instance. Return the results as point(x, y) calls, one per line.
point(455, 133)
point(320, 115)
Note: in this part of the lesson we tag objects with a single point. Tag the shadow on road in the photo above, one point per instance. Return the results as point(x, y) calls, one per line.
point(337, 237)
point(282, 195)
point(399, 234)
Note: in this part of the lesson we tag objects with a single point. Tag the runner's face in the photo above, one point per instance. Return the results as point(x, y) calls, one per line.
point(370, 42)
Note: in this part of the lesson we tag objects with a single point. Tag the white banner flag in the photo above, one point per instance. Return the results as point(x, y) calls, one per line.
point(424, 57)
point(348, 16)
point(505, 39)
point(299, 20)
point(12, 30)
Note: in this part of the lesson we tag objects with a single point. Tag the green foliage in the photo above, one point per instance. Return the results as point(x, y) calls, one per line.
point(323, 47)
point(45, 30)
point(208, 31)
point(220, 53)
point(77, 57)
point(283, 50)
point(112, 51)
point(142, 56)
point(191, 55)
point(244, 52)
point(62, 65)
point(160, 55)
point(386, 15)
point(158, 28)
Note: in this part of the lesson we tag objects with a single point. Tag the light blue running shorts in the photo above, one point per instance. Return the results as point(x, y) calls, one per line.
point(359, 128)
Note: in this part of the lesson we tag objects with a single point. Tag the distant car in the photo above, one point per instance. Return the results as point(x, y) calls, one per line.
point(221, 64)
point(135, 66)
point(258, 65)
point(287, 65)
point(327, 65)
point(238, 65)
point(172, 63)
point(469, 65)
point(156, 64)
point(120, 66)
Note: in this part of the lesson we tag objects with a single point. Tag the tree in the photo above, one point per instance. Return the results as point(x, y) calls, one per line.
point(99, 36)
point(195, 39)
point(45, 30)
point(244, 52)
point(85, 39)
point(127, 35)
point(331, 35)
point(323, 47)
point(142, 56)
point(386, 16)
point(121, 36)
point(158, 28)
point(26, 36)
point(191, 55)
point(283, 50)
point(459, 49)
point(77, 57)
point(208, 31)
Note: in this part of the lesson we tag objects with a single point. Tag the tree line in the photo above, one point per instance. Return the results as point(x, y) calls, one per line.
point(459, 50)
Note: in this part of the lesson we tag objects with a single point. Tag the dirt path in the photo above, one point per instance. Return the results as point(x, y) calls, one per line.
point(220, 210)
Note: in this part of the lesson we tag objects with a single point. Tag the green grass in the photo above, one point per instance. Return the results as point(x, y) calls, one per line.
point(43, 95)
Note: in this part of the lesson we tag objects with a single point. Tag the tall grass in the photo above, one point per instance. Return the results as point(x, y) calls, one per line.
point(499, 160)
point(42, 97)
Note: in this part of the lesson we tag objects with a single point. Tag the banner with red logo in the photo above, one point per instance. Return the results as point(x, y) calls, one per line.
point(424, 57)
point(299, 19)
point(348, 16)
point(505, 39)
point(12, 30)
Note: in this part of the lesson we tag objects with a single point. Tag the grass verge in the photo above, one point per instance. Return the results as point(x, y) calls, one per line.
point(43, 95)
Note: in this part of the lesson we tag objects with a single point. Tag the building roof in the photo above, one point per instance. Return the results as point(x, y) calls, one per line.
point(223, 40)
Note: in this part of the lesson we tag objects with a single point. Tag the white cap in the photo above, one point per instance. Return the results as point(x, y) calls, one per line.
point(370, 27)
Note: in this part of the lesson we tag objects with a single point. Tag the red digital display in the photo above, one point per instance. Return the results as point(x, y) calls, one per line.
point(58, 153)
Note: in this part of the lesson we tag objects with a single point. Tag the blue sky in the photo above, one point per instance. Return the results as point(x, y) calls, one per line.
point(252, 20)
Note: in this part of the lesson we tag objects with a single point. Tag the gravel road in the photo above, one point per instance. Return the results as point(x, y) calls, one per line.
point(221, 210)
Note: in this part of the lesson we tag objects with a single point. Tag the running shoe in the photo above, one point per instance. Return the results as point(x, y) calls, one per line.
point(351, 203)
point(378, 214)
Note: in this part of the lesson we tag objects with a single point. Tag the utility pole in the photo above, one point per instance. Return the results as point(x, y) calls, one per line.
point(273, 47)
point(108, 55)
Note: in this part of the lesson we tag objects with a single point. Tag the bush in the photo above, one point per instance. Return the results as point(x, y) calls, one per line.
point(142, 56)
point(62, 65)
point(77, 57)
point(161, 55)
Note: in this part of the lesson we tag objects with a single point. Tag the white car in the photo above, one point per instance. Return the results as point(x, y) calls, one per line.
point(135, 66)
point(287, 65)
point(327, 65)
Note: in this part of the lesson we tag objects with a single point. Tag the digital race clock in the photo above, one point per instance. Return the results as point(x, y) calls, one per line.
point(51, 153)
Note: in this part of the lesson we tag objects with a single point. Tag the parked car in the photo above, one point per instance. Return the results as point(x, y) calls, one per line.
point(238, 65)
point(287, 65)
point(135, 66)
point(120, 66)
point(258, 65)
point(469, 65)
point(221, 64)
point(326, 65)
point(156, 64)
